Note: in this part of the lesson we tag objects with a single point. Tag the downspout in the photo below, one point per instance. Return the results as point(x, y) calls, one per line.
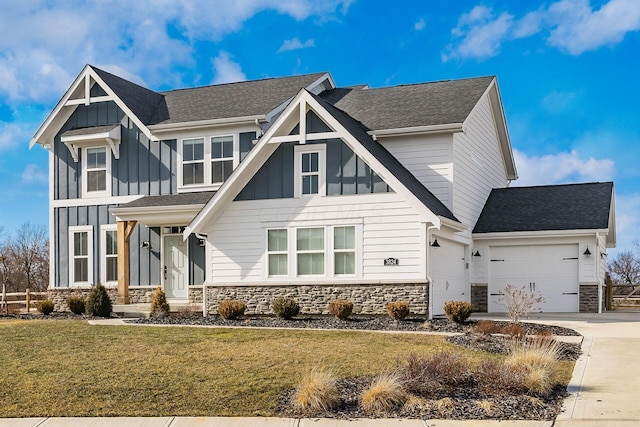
point(598, 258)
point(430, 308)
point(204, 284)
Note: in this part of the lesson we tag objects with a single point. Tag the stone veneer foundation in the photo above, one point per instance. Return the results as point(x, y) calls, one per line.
point(588, 298)
point(59, 296)
point(479, 297)
point(314, 299)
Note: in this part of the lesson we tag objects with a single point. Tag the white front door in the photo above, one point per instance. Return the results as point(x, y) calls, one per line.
point(448, 273)
point(175, 267)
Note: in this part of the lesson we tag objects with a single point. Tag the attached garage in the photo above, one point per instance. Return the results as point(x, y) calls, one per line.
point(551, 270)
point(448, 272)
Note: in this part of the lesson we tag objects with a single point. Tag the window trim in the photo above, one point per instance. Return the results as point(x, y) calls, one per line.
point(207, 161)
point(72, 231)
point(85, 172)
point(103, 254)
point(335, 251)
point(235, 155)
point(299, 150)
point(298, 252)
point(285, 252)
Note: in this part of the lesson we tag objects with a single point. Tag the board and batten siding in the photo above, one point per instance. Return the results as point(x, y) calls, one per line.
point(478, 164)
point(390, 228)
point(429, 158)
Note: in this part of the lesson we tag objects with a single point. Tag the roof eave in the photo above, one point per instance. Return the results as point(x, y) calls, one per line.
point(415, 130)
point(198, 124)
point(538, 233)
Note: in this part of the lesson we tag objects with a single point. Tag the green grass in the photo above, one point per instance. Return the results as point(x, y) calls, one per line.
point(69, 368)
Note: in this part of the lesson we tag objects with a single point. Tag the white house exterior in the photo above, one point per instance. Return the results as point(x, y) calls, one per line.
point(294, 187)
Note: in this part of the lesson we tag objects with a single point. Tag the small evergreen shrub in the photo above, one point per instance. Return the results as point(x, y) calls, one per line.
point(159, 305)
point(341, 308)
point(231, 309)
point(398, 310)
point(458, 311)
point(285, 308)
point(317, 392)
point(45, 307)
point(98, 302)
point(76, 304)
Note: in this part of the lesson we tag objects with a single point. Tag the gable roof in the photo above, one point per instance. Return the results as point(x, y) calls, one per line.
point(407, 179)
point(405, 106)
point(550, 207)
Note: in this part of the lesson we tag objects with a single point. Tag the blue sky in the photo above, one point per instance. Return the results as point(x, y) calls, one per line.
point(568, 70)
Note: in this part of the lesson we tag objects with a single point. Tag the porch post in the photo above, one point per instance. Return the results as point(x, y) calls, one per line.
point(125, 229)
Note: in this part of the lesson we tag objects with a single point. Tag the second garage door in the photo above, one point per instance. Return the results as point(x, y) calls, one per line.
point(448, 273)
point(551, 270)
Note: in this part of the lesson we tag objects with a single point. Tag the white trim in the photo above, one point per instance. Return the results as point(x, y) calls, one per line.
point(107, 191)
point(157, 215)
point(310, 280)
point(159, 129)
point(103, 253)
point(112, 138)
point(115, 200)
point(299, 150)
point(415, 130)
point(90, 253)
point(52, 231)
point(309, 137)
point(533, 234)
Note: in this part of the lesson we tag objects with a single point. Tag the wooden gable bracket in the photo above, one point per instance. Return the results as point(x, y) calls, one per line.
point(125, 230)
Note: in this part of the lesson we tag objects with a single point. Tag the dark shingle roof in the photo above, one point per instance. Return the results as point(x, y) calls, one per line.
point(404, 106)
point(240, 99)
point(140, 100)
point(381, 154)
point(551, 207)
point(200, 198)
point(90, 130)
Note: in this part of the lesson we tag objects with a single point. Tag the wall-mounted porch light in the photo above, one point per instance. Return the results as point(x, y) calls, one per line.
point(476, 253)
point(587, 252)
point(435, 243)
point(145, 245)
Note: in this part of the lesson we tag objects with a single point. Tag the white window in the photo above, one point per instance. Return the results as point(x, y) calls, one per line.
point(309, 165)
point(96, 172)
point(193, 161)
point(109, 258)
point(221, 158)
point(310, 251)
point(277, 252)
point(81, 256)
point(344, 250)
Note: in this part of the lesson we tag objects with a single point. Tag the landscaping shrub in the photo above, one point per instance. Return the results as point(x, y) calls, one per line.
point(384, 394)
point(76, 304)
point(458, 311)
point(341, 308)
point(231, 309)
point(435, 374)
point(316, 392)
point(189, 311)
point(518, 302)
point(159, 306)
point(486, 327)
point(45, 307)
point(98, 302)
point(515, 330)
point(537, 356)
point(285, 308)
point(501, 378)
point(398, 310)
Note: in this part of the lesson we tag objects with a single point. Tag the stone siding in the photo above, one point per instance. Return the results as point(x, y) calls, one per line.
point(480, 297)
point(314, 299)
point(588, 298)
point(59, 296)
point(141, 294)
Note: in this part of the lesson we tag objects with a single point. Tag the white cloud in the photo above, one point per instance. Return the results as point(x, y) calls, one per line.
point(558, 101)
point(561, 168)
point(32, 174)
point(295, 44)
point(225, 70)
point(419, 26)
point(571, 25)
point(12, 135)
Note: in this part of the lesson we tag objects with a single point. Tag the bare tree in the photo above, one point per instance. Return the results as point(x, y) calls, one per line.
point(625, 268)
point(24, 259)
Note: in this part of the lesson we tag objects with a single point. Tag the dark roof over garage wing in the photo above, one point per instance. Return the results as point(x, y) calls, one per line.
point(551, 207)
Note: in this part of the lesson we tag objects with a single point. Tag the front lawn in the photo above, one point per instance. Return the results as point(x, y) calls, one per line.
point(69, 368)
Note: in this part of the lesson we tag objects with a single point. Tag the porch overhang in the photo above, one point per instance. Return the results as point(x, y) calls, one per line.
point(155, 211)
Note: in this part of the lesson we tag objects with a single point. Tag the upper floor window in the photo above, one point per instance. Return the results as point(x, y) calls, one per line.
point(309, 166)
point(206, 163)
point(96, 176)
point(193, 161)
point(221, 158)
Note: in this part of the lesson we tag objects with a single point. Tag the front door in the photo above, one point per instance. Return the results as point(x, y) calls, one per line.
point(175, 267)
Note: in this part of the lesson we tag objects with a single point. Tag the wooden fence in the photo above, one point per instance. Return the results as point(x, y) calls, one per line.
point(26, 299)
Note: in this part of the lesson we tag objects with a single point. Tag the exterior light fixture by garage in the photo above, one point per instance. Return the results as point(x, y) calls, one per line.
point(476, 253)
point(435, 244)
point(145, 245)
point(587, 252)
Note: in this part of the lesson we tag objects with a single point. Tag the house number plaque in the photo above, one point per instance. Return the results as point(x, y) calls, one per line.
point(391, 261)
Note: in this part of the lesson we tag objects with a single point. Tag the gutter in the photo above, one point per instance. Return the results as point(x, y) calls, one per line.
point(446, 128)
point(207, 123)
point(430, 308)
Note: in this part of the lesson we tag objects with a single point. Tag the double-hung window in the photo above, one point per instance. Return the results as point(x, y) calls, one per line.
point(96, 175)
point(109, 249)
point(309, 164)
point(80, 255)
point(344, 250)
point(221, 158)
point(310, 251)
point(193, 161)
point(277, 249)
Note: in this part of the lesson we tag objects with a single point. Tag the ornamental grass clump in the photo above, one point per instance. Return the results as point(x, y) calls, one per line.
point(231, 309)
point(435, 374)
point(538, 357)
point(285, 308)
point(45, 307)
point(458, 311)
point(159, 305)
point(384, 394)
point(317, 392)
point(341, 308)
point(76, 304)
point(398, 310)
point(98, 302)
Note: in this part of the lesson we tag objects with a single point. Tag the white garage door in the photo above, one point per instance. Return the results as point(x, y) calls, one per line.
point(448, 274)
point(551, 270)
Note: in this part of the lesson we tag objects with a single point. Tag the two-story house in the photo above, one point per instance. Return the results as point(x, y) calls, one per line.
point(294, 187)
